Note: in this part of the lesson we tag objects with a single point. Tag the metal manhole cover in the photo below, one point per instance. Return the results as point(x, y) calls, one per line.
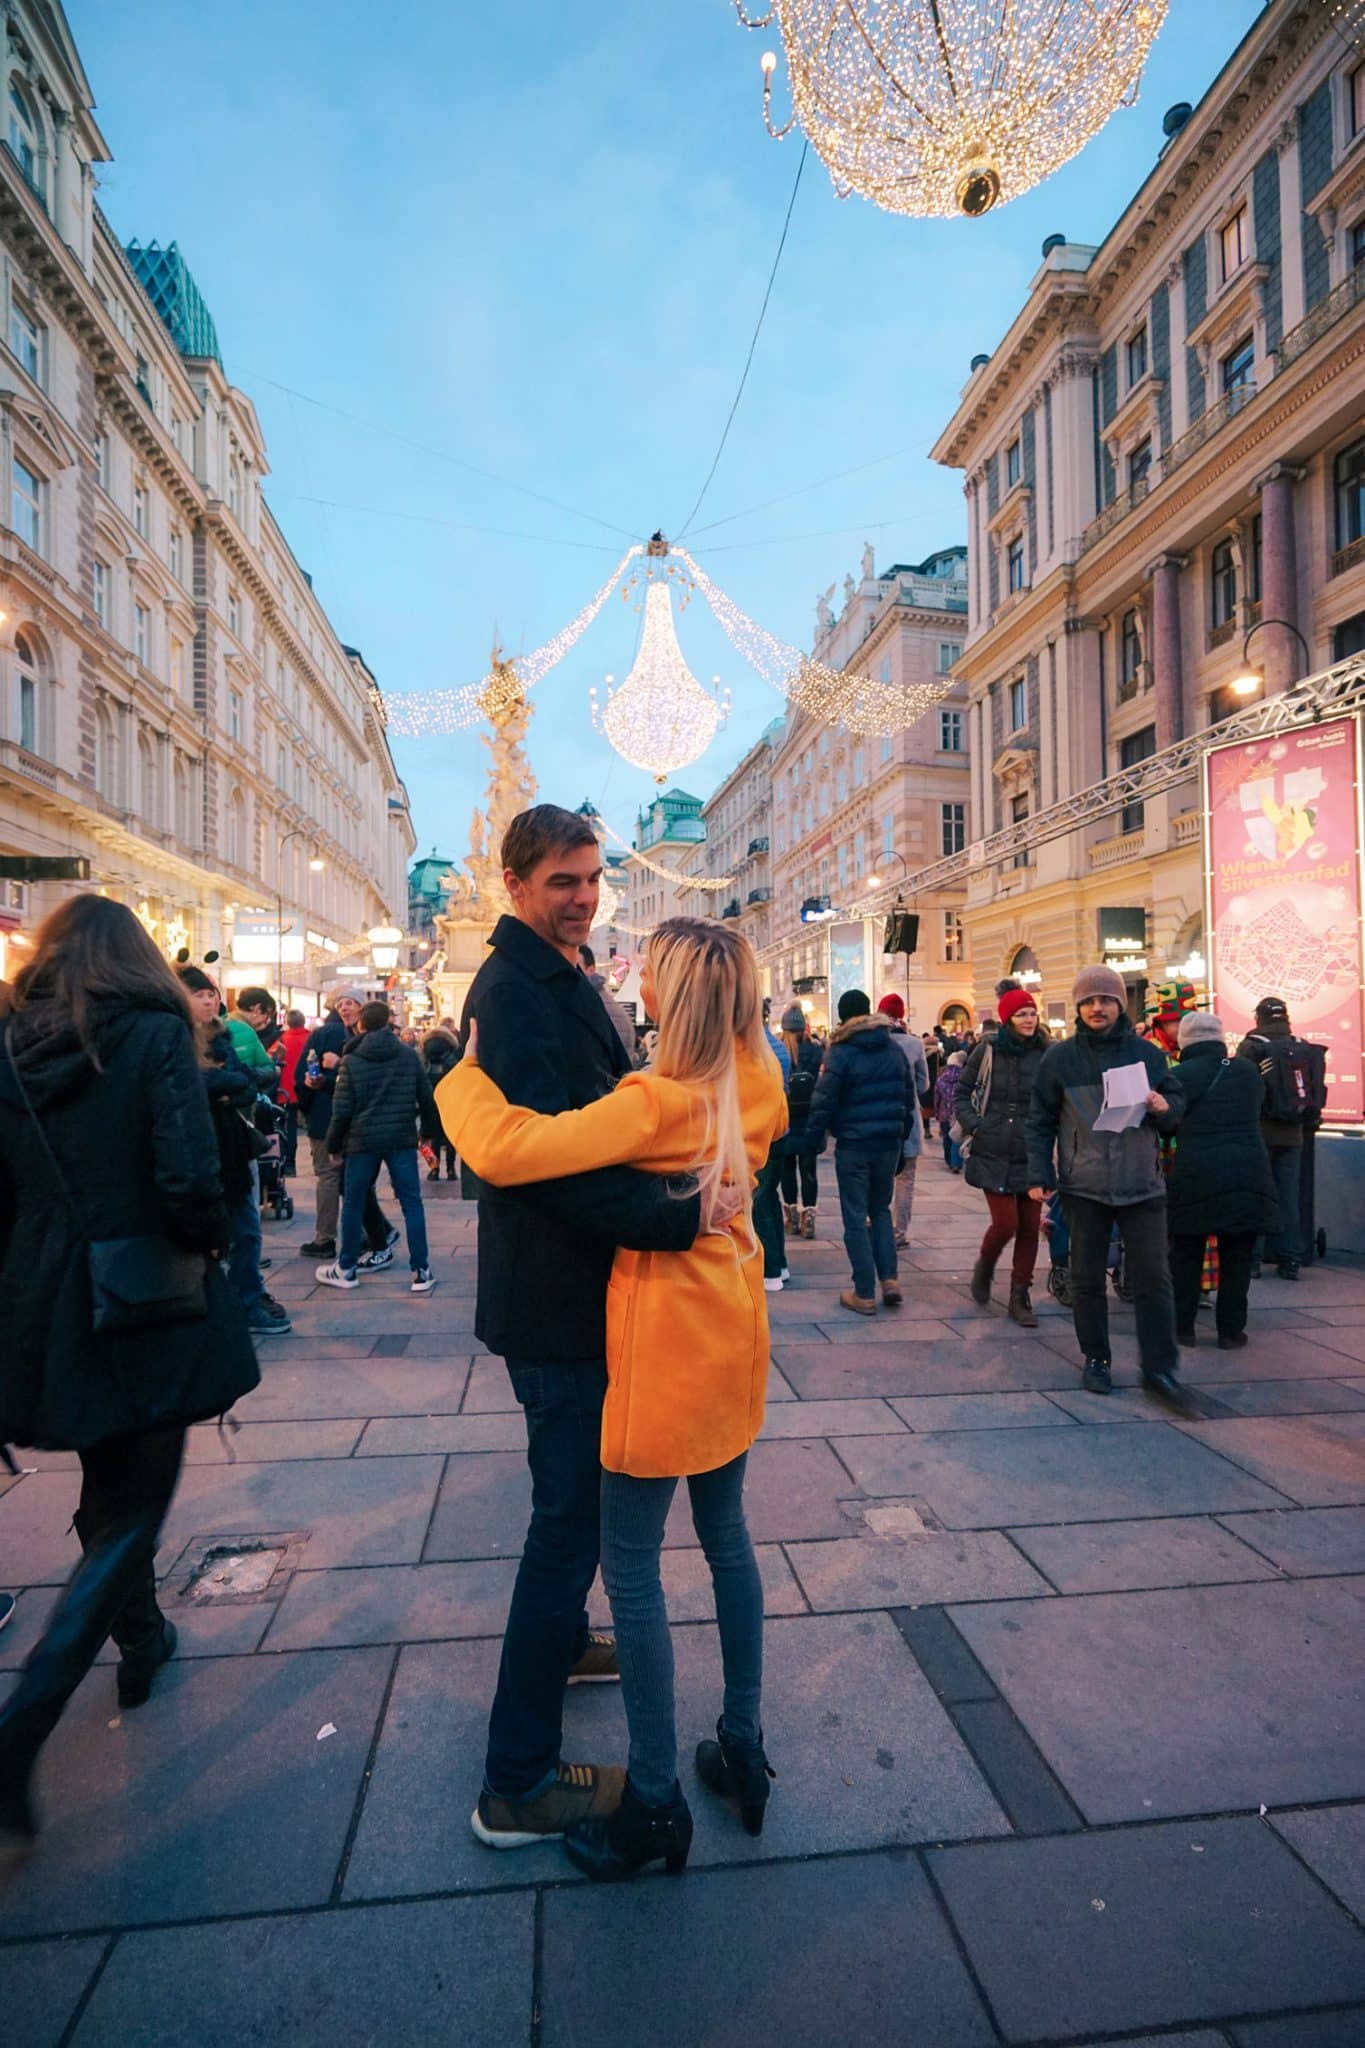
point(235, 1569)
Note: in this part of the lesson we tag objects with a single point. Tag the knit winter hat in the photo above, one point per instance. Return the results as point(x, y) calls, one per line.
point(1201, 1027)
point(892, 1005)
point(1099, 981)
point(1014, 1000)
point(854, 1002)
point(957, 1059)
point(794, 1019)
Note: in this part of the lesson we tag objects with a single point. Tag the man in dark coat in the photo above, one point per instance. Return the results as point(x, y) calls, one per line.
point(318, 1069)
point(1109, 1176)
point(382, 1095)
point(545, 1258)
point(866, 1097)
point(1219, 1184)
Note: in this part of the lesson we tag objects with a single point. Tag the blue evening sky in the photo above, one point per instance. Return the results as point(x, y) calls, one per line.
point(534, 237)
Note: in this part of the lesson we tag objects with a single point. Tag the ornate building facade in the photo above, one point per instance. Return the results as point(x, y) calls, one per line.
point(1164, 456)
point(175, 704)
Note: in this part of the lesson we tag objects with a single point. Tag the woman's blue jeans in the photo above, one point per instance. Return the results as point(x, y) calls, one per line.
point(633, 1515)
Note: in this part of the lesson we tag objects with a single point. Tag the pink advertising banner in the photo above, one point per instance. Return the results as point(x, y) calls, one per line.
point(1283, 864)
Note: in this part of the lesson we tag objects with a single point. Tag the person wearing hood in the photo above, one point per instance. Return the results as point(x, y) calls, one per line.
point(1220, 1181)
point(865, 1097)
point(800, 1174)
point(1109, 1176)
point(121, 1328)
point(382, 1095)
point(911, 1049)
point(993, 1100)
point(945, 1107)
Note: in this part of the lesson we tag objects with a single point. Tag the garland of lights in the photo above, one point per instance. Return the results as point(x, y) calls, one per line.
point(942, 107)
point(703, 882)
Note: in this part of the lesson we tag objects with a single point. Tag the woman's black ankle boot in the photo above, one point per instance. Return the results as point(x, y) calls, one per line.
point(739, 1771)
point(633, 1836)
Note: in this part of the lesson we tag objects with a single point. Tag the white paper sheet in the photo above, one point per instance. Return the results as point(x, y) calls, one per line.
point(1125, 1098)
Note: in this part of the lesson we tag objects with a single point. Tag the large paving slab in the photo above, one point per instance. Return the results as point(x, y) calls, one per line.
point(220, 1800)
point(1290, 1397)
point(483, 1508)
point(850, 1951)
point(1317, 1461)
point(1125, 1557)
point(912, 1571)
point(257, 1443)
point(1146, 1927)
point(43, 1983)
point(996, 1478)
point(930, 1359)
point(792, 1492)
point(353, 1511)
point(431, 1972)
point(1127, 1694)
point(400, 1436)
point(831, 1418)
point(1331, 1841)
point(1305, 1541)
point(303, 1388)
point(929, 1414)
point(37, 1542)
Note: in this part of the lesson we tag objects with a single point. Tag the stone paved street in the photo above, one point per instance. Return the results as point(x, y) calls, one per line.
point(1067, 1701)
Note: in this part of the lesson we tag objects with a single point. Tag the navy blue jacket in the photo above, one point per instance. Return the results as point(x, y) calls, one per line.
point(865, 1094)
point(545, 1251)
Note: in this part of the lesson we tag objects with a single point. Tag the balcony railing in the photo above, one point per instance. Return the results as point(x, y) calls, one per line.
point(1349, 557)
point(1187, 828)
point(1347, 295)
point(1206, 426)
point(1112, 853)
point(759, 896)
point(1111, 515)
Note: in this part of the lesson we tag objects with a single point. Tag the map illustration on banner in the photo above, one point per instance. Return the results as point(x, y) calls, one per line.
point(1283, 857)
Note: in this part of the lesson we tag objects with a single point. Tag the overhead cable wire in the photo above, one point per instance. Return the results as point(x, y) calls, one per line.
point(544, 540)
point(748, 360)
point(747, 511)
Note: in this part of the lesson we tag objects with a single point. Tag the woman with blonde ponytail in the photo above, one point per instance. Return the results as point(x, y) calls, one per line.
point(687, 1357)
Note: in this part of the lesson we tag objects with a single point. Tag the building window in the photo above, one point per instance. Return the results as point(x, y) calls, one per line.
point(1018, 701)
point(859, 853)
point(99, 579)
point(1139, 746)
point(1140, 465)
point(1014, 564)
point(26, 497)
point(27, 665)
point(950, 732)
point(234, 719)
point(102, 460)
point(235, 613)
point(1019, 816)
point(1137, 357)
point(235, 490)
point(175, 551)
point(23, 134)
point(106, 751)
point(1130, 651)
point(1251, 554)
point(26, 339)
point(1239, 368)
point(948, 651)
point(142, 620)
point(953, 827)
point(1358, 99)
point(1224, 573)
point(140, 509)
point(953, 948)
point(859, 768)
point(178, 667)
point(1232, 239)
point(888, 837)
point(1358, 244)
point(886, 747)
point(1014, 463)
point(1349, 478)
point(884, 669)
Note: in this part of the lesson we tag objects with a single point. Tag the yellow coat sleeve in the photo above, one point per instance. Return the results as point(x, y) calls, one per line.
point(508, 1146)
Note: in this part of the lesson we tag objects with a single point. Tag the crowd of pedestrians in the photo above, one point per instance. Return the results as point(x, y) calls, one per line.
point(635, 1196)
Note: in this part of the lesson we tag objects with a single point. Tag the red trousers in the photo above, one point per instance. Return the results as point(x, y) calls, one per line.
point(1017, 1217)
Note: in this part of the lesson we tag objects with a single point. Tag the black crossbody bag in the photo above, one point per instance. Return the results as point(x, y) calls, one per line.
point(136, 1283)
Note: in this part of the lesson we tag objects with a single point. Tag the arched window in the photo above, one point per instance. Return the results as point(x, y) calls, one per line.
point(1224, 572)
point(30, 720)
point(106, 751)
point(25, 136)
point(180, 786)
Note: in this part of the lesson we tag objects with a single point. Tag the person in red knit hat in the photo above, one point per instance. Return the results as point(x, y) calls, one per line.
point(993, 1100)
point(903, 1201)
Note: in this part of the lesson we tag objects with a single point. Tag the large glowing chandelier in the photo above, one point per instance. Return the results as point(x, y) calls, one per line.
point(660, 717)
point(950, 106)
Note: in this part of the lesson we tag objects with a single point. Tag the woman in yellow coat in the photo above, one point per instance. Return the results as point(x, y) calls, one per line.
point(687, 1357)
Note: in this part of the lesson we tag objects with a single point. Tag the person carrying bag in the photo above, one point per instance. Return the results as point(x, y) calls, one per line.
point(993, 1101)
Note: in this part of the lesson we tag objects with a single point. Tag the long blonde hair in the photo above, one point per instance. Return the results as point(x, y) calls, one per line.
point(706, 978)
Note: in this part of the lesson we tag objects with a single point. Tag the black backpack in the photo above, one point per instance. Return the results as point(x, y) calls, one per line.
point(800, 1089)
point(1292, 1088)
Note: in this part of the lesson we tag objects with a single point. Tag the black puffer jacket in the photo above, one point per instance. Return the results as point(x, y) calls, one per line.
point(440, 1056)
point(382, 1093)
point(998, 1160)
point(315, 1099)
point(866, 1091)
point(1116, 1167)
point(1220, 1177)
point(137, 1153)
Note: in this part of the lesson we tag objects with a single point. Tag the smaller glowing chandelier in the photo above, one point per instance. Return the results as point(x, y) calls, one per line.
point(660, 717)
point(949, 106)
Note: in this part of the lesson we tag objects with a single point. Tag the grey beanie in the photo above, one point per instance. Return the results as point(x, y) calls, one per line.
point(794, 1019)
point(1201, 1027)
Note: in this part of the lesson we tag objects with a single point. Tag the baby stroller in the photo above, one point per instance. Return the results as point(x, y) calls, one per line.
point(1058, 1238)
point(269, 1119)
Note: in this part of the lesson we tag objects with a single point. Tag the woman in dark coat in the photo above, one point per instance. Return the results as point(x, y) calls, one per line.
point(800, 1172)
point(440, 1056)
point(105, 1135)
point(998, 1161)
point(1220, 1181)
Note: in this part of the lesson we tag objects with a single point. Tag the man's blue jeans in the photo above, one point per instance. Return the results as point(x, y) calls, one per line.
point(244, 1256)
point(867, 1184)
point(547, 1623)
point(362, 1171)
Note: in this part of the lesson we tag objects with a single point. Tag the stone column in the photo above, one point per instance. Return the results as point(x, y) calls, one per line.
point(1167, 666)
point(1275, 651)
point(1073, 441)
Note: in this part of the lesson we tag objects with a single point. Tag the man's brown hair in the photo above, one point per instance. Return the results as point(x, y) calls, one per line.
point(543, 830)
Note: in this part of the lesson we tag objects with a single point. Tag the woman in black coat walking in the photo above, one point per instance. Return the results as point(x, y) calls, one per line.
point(1220, 1182)
point(121, 1328)
point(998, 1161)
point(440, 1056)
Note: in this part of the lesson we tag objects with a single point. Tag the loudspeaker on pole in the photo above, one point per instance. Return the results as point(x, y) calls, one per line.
point(902, 932)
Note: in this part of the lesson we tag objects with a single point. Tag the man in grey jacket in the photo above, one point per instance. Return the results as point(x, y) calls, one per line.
point(1109, 1177)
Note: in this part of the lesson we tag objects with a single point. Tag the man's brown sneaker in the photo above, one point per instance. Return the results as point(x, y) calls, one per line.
point(859, 1303)
point(579, 1792)
point(891, 1293)
point(597, 1665)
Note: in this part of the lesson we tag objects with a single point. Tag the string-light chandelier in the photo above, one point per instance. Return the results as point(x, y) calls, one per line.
point(952, 106)
point(660, 717)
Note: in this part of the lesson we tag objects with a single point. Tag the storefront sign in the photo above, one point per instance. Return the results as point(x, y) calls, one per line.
point(257, 942)
point(1123, 937)
point(1282, 857)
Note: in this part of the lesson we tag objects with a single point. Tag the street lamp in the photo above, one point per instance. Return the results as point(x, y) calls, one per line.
point(385, 940)
point(316, 865)
point(1251, 680)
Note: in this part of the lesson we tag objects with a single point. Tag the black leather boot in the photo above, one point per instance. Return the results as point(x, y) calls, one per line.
point(983, 1272)
point(634, 1836)
point(144, 1638)
point(739, 1771)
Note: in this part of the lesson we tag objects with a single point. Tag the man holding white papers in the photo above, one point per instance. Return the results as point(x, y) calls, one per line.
point(1101, 1100)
